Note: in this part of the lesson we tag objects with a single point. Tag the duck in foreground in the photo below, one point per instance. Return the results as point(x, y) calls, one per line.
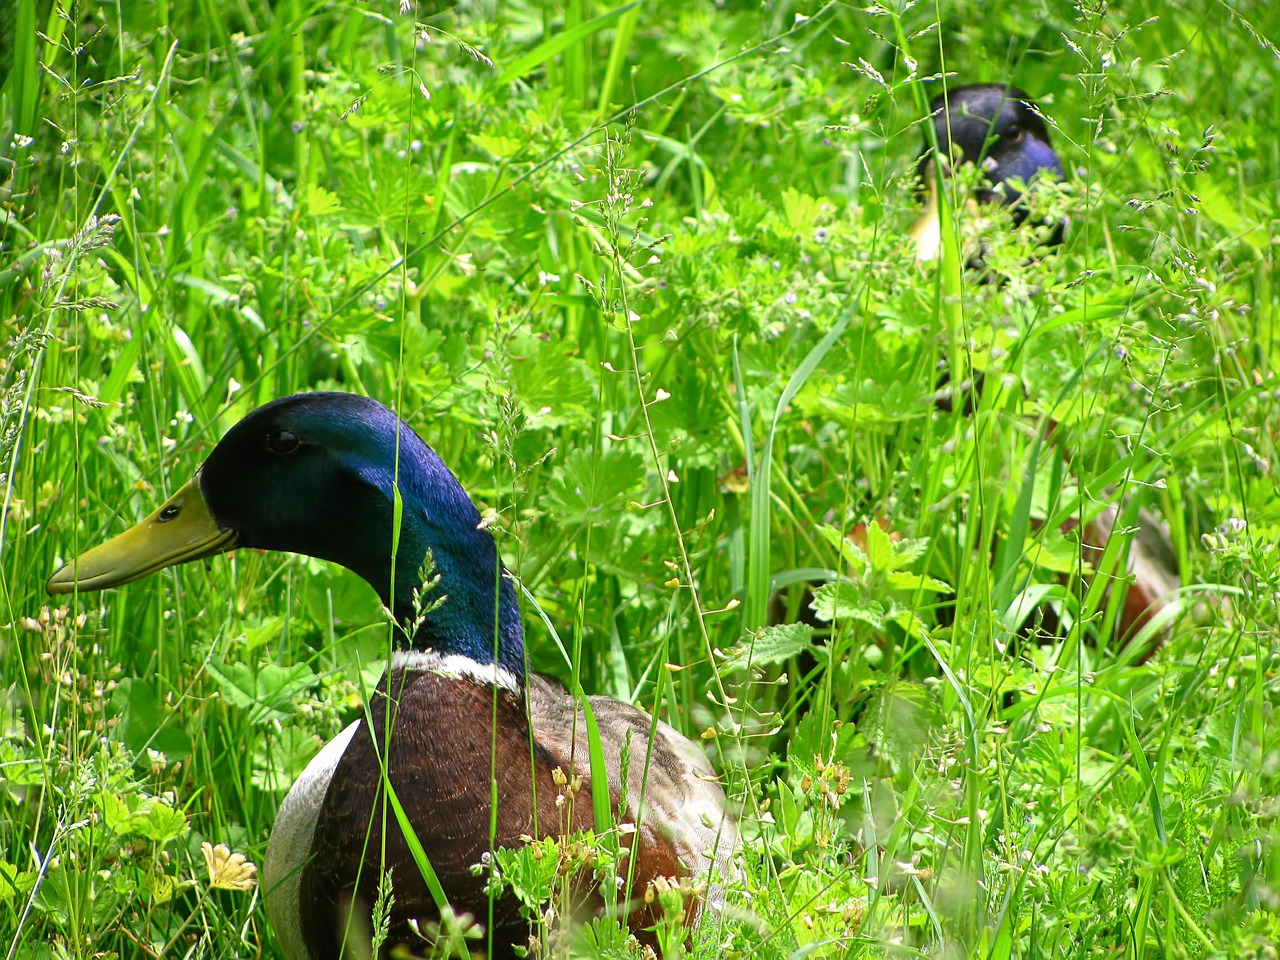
point(998, 127)
point(316, 474)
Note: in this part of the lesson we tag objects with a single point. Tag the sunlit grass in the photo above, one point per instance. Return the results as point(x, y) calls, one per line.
point(676, 404)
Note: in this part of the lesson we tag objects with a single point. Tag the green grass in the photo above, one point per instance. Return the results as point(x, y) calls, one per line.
point(679, 352)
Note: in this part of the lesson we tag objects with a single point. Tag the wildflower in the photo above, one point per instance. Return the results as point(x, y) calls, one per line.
point(227, 870)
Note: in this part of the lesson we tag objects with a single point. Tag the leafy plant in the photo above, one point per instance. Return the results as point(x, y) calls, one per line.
point(641, 276)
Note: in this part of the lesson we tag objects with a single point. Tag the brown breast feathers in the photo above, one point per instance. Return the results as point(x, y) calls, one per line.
point(438, 760)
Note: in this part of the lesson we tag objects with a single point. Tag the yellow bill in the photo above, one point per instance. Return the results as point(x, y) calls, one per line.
point(181, 529)
point(927, 230)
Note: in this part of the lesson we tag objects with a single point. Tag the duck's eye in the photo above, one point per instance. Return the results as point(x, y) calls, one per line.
point(168, 513)
point(283, 442)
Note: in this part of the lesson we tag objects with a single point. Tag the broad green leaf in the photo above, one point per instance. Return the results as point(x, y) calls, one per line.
point(269, 691)
point(771, 645)
point(916, 581)
point(14, 883)
point(840, 601)
point(145, 722)
point(590, 485)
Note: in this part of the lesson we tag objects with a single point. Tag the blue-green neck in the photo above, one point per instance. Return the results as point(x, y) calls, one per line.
point(472, 609)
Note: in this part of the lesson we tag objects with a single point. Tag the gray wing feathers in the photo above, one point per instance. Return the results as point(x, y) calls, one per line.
point(680, 795)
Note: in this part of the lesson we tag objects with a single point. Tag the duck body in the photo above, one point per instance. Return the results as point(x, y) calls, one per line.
point(432, 765)
point(456, 719)
point(997, 127)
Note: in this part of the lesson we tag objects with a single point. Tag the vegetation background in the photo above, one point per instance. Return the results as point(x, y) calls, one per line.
point(639, 272)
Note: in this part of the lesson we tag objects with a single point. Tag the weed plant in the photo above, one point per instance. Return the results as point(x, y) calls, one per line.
point(640, 274)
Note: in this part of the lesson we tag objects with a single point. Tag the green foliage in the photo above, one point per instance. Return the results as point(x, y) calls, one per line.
point(639, 273)
point(548, 878)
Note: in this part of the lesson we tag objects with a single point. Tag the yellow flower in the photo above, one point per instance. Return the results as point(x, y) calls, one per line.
point(227, 870)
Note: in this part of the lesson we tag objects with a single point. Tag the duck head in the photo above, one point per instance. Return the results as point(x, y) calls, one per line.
point(997, 127)
point(318, 474)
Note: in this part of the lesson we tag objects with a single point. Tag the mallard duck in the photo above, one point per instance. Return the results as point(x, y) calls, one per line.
point(317, 474)
point(998, 127)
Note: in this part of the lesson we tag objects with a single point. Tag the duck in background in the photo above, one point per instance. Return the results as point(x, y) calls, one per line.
point(998, 127)
point(318, 474)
